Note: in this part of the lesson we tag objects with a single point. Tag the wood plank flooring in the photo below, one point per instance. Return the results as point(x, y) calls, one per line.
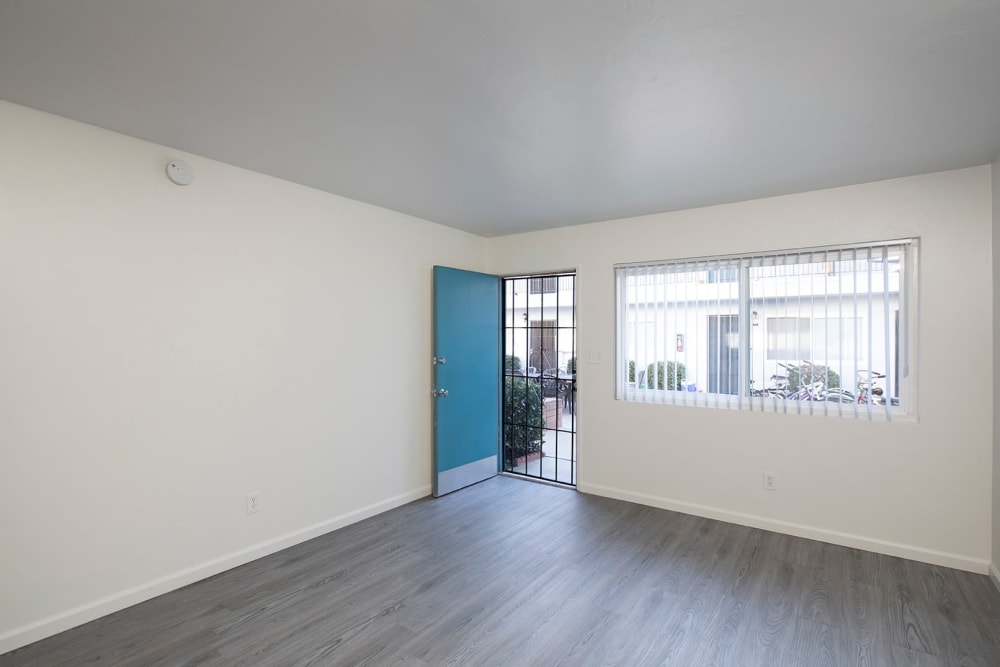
point(509, 572)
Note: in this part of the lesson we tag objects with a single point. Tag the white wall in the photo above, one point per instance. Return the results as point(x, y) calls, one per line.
point(164, 350)
point(995, 568)
point(921, 490)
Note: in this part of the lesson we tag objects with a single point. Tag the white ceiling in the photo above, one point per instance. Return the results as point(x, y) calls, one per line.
point(500, 116)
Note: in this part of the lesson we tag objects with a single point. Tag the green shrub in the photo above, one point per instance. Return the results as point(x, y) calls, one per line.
point(803, 374)
point(512, 363)
point(571, 365)
point(671, 372)
point(668, 376)
point(523, 418)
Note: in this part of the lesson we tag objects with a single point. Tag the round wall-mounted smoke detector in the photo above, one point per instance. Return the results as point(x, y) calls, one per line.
point(179, 172)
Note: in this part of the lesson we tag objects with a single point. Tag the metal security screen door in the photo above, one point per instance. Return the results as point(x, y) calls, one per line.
point(539, 388)
point(466, 378)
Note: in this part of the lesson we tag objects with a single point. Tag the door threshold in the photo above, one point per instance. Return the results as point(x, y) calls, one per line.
point(537, 480)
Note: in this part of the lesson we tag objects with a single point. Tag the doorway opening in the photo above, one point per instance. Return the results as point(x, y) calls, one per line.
point(539, 388)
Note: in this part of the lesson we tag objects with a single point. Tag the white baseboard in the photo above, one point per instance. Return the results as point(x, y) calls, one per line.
point(911, 552)
point(995, 575)
point(46, 627)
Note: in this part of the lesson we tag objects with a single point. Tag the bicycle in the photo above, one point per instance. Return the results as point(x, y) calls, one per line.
point(777, 389)
point(869, 392)
point(812, 381)
point(811, 391)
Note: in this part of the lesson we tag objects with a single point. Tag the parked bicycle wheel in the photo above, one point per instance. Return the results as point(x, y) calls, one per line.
point(839, 396)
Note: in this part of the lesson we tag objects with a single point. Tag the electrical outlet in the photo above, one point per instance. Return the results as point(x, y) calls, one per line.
point(770, 481)
point(253, 503)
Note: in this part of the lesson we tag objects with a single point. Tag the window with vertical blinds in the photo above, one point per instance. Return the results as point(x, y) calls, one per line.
point(826, 331)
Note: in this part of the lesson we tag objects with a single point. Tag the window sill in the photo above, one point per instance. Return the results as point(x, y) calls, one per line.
point(830, 410)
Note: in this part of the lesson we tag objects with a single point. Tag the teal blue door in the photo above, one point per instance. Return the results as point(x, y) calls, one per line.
point(466, 378)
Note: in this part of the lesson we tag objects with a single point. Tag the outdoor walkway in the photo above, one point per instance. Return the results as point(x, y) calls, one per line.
point(558, 461)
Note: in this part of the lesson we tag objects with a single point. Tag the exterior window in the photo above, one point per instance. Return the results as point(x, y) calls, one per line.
point(544, 285)
point(730, 275)
point(813, 331)
point(788, 338)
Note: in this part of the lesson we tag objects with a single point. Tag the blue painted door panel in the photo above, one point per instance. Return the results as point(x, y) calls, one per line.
point(467, 337)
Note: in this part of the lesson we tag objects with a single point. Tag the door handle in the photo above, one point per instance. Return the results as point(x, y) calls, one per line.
point(439, 392)
point(437, 360)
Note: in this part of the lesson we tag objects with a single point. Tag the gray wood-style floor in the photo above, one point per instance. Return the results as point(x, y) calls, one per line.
point(509, 572)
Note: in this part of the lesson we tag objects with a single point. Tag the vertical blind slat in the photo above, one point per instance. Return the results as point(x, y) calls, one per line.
point(887, 397)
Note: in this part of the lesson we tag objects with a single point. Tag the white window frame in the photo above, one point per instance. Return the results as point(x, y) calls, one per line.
point(653, 277)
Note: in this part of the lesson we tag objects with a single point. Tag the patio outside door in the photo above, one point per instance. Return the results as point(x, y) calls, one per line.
point(539, 391)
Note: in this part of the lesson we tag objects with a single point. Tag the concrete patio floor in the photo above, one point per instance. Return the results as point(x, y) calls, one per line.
point(558, 461)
